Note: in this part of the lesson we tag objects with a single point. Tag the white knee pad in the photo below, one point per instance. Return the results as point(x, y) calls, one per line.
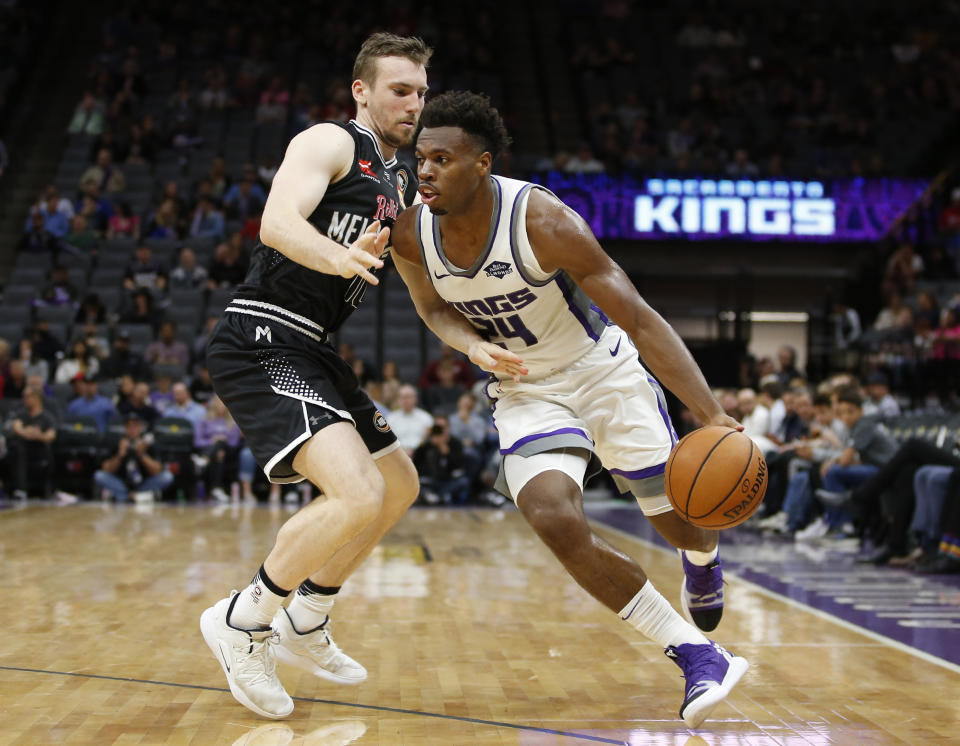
point(519, 470)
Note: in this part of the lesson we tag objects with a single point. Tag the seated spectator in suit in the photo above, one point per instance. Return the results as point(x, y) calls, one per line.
point(187, 275)
point(168, 350)
point(37, 239)
point(138, 402)
point(31, 454)
point(104, 174)
point(134, 465)
point(91, 403)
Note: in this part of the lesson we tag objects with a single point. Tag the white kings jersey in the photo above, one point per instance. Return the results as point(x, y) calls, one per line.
point(544, 318)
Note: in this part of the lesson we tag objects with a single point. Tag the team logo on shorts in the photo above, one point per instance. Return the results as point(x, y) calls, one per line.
point(380, 422)
point(498, 269)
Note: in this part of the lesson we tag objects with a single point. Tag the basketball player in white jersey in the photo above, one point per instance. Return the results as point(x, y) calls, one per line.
point(525, 272)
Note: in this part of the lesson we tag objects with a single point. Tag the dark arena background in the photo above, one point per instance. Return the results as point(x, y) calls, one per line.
point(780, 181)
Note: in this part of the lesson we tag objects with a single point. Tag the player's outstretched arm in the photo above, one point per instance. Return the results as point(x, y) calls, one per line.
point(441, 318)
point(314, 159)
point(561, 239)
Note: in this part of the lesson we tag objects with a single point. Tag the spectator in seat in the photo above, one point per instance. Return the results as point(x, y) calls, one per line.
point(33, 364)
point(228, 267)
point(85, 241)
point(442, 397)
point(208, 221)
point(879, 400)
point(91, 310)
point(162, 394)
point(201, 387)
point(183, 406)
point(408, 421)
point(133, 466)
point(88, 118)
point(141, 309)
point(58, 291)
point(894, 321)
point(903, 268)
point(82, 361)
point(37, 239)
point(464, 373)
point(122, 361)
point(165, 222)
point(15, 380)
point(104, 174)
point(244, 199)
point(787, 358)
point(31, 452)
point(168, 350)
point(187, 275)
point(217, 436)
point(91, 403)
point(124, 224)
point(584, 161)
point(442, 467)
point(145, 272)
point(138, 403)
point(949, 222)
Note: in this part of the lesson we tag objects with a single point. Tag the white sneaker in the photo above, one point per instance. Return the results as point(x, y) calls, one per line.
point(247, 660)
point(816, 530)
point(220, 495)
point(291, 497)
point(315, 652)
point(775, 522)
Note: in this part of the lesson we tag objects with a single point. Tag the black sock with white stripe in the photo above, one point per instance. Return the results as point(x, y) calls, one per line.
point(311, 605)
point(257, 603)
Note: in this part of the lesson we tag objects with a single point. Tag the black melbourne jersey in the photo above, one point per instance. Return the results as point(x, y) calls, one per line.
point(373, 189)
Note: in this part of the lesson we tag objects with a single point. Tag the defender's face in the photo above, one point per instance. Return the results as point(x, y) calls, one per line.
point(450, 167)
point(395, 100)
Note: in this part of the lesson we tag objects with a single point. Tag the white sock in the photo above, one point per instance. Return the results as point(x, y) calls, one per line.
point(701, 558)
point(257, 603)
point(311, 606)
point(652, 615)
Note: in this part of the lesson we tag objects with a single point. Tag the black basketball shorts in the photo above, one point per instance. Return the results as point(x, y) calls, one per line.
point(283, 382)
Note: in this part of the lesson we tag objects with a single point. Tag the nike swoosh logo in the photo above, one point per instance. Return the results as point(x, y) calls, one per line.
point(439, 277)
point(616, 349)
point(226, 664)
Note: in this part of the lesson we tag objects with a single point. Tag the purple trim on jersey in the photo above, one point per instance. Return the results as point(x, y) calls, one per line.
point(537, 436)
point(514, 246)
point(601, 314)
point(577, 313)
point(472, 270)
point(650, 471)
point(658, 390)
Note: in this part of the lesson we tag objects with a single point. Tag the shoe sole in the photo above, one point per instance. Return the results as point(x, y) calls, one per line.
point(208, 628)
point(699, 710)
point(284, 655)
point(686, 611)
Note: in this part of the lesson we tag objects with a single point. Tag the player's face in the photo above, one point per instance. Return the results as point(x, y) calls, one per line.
point(395, 100)
point(450, 167)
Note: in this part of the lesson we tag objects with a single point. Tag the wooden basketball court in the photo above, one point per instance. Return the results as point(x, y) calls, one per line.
point(470, 630)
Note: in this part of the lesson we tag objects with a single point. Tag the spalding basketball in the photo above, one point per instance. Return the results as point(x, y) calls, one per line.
point(716, 477)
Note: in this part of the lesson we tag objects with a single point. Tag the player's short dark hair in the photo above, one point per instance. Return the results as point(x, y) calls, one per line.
point(850, 395)
point(385, 44)
point(472, 113)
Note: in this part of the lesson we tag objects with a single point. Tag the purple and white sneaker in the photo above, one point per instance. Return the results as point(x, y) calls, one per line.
point(701, 593)
point(710, 672)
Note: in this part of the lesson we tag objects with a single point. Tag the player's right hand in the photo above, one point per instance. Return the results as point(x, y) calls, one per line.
point(364, 254)
point(495, 359)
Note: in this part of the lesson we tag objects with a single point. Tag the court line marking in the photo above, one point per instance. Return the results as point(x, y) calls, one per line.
point(890, 642)
point(378, 708)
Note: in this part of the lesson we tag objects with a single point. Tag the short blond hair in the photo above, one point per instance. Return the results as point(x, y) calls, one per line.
point(385, 44)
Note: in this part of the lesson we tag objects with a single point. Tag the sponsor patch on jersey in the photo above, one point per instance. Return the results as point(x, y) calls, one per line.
point(366, 170)
point(380, 422)
point(402, 187)
point(498, 269)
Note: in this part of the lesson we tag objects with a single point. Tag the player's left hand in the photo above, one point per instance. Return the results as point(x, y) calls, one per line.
point(494, 359)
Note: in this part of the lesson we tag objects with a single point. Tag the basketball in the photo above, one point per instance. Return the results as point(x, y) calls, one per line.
point(716, 477)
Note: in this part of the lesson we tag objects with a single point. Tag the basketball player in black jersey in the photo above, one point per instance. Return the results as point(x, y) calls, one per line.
point(300, 407)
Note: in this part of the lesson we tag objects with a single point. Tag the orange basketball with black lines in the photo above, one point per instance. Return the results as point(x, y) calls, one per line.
point(716, 477)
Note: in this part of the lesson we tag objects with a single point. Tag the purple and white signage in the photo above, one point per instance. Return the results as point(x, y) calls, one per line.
point(745, 209)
